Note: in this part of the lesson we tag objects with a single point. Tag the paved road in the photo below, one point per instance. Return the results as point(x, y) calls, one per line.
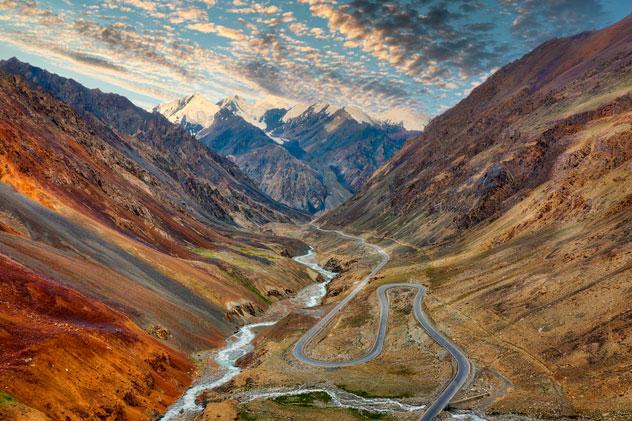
point(463, 364)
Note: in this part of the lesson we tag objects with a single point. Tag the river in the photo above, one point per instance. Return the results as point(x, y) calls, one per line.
point(240, 344)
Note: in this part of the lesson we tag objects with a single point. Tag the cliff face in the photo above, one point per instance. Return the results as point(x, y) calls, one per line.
point(276, 171)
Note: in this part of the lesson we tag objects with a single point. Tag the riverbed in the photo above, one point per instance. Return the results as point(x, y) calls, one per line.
point(240, 344)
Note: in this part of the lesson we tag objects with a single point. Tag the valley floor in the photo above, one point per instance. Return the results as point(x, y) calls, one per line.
point(508, 378)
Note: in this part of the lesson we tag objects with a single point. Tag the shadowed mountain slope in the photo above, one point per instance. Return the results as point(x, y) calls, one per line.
point(207, 177)
point(501, 142)
point(309, 157)
point(279, 174)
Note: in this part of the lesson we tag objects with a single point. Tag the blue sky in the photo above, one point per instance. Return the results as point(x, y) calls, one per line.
point(415, 57)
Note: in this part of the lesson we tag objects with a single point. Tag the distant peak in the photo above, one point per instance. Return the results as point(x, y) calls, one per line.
point(232, 101)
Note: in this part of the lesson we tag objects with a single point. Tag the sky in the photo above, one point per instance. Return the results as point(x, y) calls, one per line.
point(404, 59)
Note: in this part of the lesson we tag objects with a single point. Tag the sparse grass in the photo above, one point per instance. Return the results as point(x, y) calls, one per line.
point(437, 276)
point(6, 398)
point(246, 283)
point(368, 415)
point(304, 399)
point(258, 253)
point(362, 393)
point(234, 275)
point(368, 395)
point(211, 254)
point(245, 415)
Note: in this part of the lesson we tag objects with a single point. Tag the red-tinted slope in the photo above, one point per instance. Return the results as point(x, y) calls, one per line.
point(67, 355)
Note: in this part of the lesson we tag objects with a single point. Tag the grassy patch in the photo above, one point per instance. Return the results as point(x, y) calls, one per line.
point(6, 398)
point(232, 274)
point(245, 415)
point(368, 395)
point(211, 254)
point(246, 283)
point(257, 253)
point(362, 393)
point(304, 399)
point(437, 276)
point(366, 415)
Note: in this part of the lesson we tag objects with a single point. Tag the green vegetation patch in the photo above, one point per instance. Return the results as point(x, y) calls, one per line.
point(368, 395)
point(304, 399)
point(211, 254)
point(258, 253)
point(237, 276)
point(437, 276)
point(367, 415)
point(6, 398)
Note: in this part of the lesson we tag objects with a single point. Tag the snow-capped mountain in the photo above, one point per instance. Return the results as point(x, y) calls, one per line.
point(410, 120)
point(308, 156)
point(302, 111)
point(244, 109)
point(194, 112)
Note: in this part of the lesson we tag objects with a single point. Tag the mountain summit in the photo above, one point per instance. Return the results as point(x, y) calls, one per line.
point(193, 112)
point(309, 156)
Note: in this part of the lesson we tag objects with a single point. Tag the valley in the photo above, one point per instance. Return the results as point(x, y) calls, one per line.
point(258, 257)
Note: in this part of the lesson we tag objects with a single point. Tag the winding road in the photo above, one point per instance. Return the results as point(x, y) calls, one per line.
point(462, 363)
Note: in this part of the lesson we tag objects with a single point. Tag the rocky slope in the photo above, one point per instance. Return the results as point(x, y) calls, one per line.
point(111, 210)
point(517, 205)
point(62, 353)
point(311, 158)
point(278, 173)
point(343, 141)
point(501, 142)
point(204, 175)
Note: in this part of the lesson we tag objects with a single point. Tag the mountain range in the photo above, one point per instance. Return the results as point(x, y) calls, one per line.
point(120, 231)
point(309, 157)
point(133, 242)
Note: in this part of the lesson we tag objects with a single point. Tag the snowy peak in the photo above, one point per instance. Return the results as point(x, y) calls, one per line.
point(197, 112)
point(410, 120)
point(192, 110)
point(360, 116)
point(234, 103)
point(305, 110)
point(351, 112)
point(244, 109)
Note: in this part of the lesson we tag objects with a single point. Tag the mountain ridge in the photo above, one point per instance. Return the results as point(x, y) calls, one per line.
point(172, 141)
point(268, 145)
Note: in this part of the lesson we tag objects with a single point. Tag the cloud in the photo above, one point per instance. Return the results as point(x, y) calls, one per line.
point(382, 56)
point(92, 60)
point(126, 42)
point(538, 20)
point(424, 44)
point(188, 14)
point(255, 8)
point(209, 27)
point(141, 4)
point(205, 27)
